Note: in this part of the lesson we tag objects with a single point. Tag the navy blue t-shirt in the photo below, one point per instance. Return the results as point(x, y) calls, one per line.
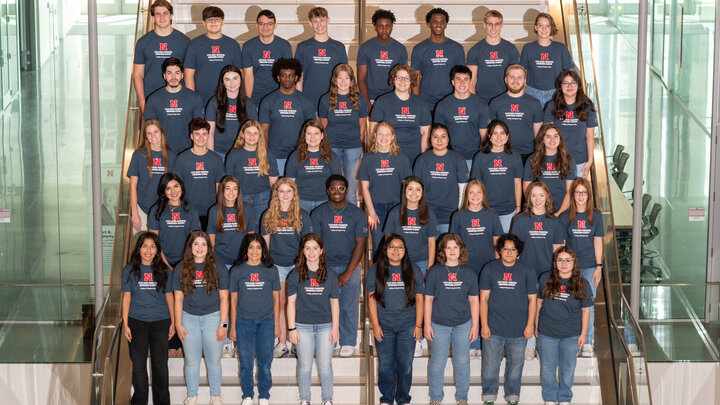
point(318, 61)
point(545, 63)
point(550, 175)
point(225, 140)
point(519, 113)
point(285, 243)
point(261, 57)
point(254, 286)
point(338, 228)
point(380, 59)
point(312, 305)
point(395, 313)
point(539, 233)
point(199, 302)
point(311, 174)
point(406, 117)
point(208, 57)
point(415, 234)
point(508, 303)
point(434, 60)
point(175, 111)
point(441, 175)
point(385, 173)
point(580, 236)
point(498, 172)
point(200, 175)
point(152, 49)
point(574, 131)
point(174, 226)
point(343, 127)
point(477, 230)
point(244, 166)
point(147, 186)
point(464, 119)
point(561, 316)
point(286, 114)
point(146, 304)
point(227, 242)
point(492, 60)
point(451, 286)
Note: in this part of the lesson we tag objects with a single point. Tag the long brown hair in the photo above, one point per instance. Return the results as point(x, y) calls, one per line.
point(382, 272)
point(465, 201)
point(562, 159)
point(273, 215)
point(144, 144)
point(589, 207)
point(302, 147)
point(440, 257)
point(260, 151)
point(222, 204)
point(423, 211)
point(301, 261)
point(353, 95)
point(583, 103)
point(187, 266)
point(551, 289)
point(222, 99)
point(373, 146)
point(549, 202)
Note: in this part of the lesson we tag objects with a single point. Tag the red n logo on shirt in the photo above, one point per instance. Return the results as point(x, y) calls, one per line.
point(514, 107)
point(581, 224)
point(404, 110)
point(321, 52)
point(232, 108)
point(440, 166)
point(254, 276)
point(474, 222)
point(252, 161)
point(337, 219)
point(284, 222)
point(163, 46)
point(438, 53)
point(396, 277)
point(550, 166)
point(538, 226)
point(569, 114)
point(215, 49)
point(342, 105)
point(175, 216)
point(493, 55)
point(157, 162)
point(148, 277)
point(199, 275)
point(544, 56)
point(287, 105)
point(231, 217)
point(173, 103)
point(199, 165)
point(266, 54)
point(461, 110)
point(314, 283)
point(507, 276)
point(452, 276)
point(383, 54)
point(313, 161)
point(497, 162)
point(412, 220)
point(562, 288)
point(384, 163)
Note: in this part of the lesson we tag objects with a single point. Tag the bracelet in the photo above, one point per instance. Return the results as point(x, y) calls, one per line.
point(418, 327)
point(291, 329)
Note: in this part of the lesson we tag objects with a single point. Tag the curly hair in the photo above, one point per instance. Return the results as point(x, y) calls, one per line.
point(160, 271)
point(411, 72)
point(423, 211)
point(222, 99)
point(562, 159)
point(301, 261)
point(466, 194)
point(590, 206)
point(353, 95)
point(302, 147)
point(145, 144)
point(486, 145)
point(373, 147)
point(549, 203)
point(187, 266)
point(287, 63)
point(380, 13)
point(434, 11)
point(551, 289)
point(273, 220)
point(440, 257)
point(583, 103)
point(382, 267)
point(241, 226)
point(261, 150)
point(509, 237)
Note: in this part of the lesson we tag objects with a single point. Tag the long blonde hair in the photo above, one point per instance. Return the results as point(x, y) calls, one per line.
point(273, 215)
point(261, 151)
point(354, 93)
point(144, 144)
point(466, 194)
point(373, 147)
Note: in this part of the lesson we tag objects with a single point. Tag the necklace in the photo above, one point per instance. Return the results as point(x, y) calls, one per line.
point(336, 212)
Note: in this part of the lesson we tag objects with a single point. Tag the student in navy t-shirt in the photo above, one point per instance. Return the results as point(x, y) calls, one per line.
point(406, 112)
point(395, 289)
point(148, 317)
point(259, 54)
point(148, 163)
point(377, 56)
point(381, 173)
point(172, 218)
point(313, 316)
point(489, 58)
point(508, 290)
point(200, 170)
point(452, 313)
point(501, 171)
point(227, 110)
point(254, 314)
point(311, 164)
point(552, 165)
point(584, 234)
point(253, 165)
point(574, 113)
point(563, 315)
point(544, 59)
point(434, 57)
point(229, 220)
point(443, 171)
point(153, 48)
point(344, 113)
point(209, 53)
point(319, 55)
point(201, 310)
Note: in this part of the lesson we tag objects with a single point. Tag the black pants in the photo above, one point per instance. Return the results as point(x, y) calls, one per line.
point(155, 336)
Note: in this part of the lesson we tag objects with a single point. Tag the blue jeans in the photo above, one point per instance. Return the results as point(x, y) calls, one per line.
point(283, 272)
point(395, 358)
point(255, 340)
point(309, 205)
point(587, 274)
point(349, 306)
point(439, 348)
point(423, 266)
point(350, 159)
point(558, 356)
point(468, 162)
point(377, 234)
point(543, 96)
point(492, 356)
point(314, 340)
point(281, 166)
point(201, 338)
point(506, 221)
point(259, 202)
point(579, 169)
point(444, 228)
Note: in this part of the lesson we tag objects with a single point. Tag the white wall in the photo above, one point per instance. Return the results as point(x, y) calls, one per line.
point(24, 384)
point(684, 383)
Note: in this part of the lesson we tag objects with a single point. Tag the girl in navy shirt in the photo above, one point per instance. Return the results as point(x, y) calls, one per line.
point(148, 317)
point(229, 221)
point(563, 315)
point(149, 162)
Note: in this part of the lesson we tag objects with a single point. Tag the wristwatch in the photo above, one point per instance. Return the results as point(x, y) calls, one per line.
point(223, 324)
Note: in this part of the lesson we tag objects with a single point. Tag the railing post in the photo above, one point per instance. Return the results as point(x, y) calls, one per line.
point(95, 154)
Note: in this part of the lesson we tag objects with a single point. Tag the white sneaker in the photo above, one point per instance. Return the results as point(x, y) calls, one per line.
point(473, 353)
point(587, 350)
point(263, 401)
point(216, 400)
point(346, 351)
point(530, 355)
point(418, 349)
point(550, 403)
point(564, 403)
point(190, 401)
point(227, 351)
point(246, 401)
point(280, 351)
point(304, 402)
point(328, 402)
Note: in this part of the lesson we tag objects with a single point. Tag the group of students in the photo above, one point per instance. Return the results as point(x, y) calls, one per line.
point(256, 235)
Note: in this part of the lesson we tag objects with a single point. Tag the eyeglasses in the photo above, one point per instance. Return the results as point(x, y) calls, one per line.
point(569, 84)
point(508, 249)
point(396, 247)
point(214, 20)
point(566, 261)
point(581, 193)
point(402, 78)
point(266, 24)
point(336, 188)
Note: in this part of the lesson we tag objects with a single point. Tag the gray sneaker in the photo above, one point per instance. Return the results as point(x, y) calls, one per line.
point(280, 351)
